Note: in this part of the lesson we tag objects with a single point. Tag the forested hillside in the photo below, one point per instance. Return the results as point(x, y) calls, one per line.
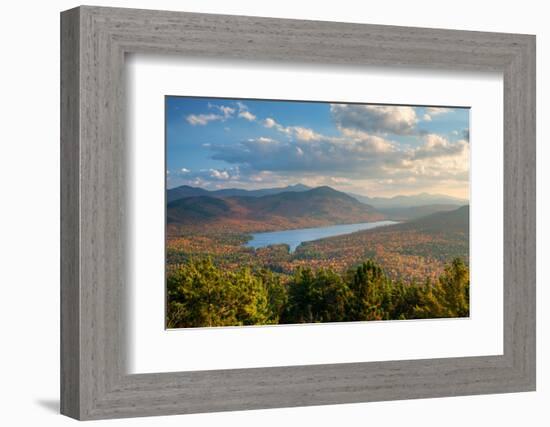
point(286, 210)
point(203, 295)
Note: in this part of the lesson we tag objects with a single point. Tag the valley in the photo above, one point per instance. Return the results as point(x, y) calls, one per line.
point(219, 226)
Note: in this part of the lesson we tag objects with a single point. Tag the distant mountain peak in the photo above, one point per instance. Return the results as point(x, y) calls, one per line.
point(325, 188)
point(287, 209)
point(298, 186)
point(409, 201)
point(184, 191)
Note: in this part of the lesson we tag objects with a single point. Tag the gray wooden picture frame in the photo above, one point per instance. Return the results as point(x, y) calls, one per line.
point(94, 381)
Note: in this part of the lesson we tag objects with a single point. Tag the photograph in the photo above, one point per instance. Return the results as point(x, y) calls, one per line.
point(293, 212)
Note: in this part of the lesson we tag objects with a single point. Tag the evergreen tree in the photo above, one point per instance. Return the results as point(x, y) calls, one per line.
point(200, 294)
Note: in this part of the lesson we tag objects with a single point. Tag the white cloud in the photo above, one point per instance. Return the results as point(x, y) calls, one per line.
point(351, 158)
point(438, 146)
point(305, 134)
point(263, 139)
point(299, 132)
point(328, 155)
point(380, 119)
point(244, 113)
point(363, 155)
point(373, 143)
point(434, 111)
point(247, 115)
point(269, 122)
point(202, 119)
point(185, 170)
point(219, 174)
point(226, 111)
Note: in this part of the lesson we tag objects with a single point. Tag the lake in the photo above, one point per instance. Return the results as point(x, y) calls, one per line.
point(293, 238)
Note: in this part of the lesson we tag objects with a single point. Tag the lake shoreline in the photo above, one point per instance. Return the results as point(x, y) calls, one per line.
point(295, 237)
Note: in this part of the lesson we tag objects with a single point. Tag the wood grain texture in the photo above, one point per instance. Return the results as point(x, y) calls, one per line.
point(70, 297)
point(94, 382)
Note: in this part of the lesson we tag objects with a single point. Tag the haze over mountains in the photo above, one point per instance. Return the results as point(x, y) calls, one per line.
point(453, 221)
point(188, 191)
point(422, 199)
point(397, 208)
point(289, 209)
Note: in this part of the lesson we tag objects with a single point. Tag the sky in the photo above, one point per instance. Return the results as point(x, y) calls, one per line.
point(368, 149)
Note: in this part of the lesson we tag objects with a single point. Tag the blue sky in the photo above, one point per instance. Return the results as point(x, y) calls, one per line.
point(375, 150)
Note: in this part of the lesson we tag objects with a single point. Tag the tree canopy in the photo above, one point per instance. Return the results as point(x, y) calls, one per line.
point(203, 295)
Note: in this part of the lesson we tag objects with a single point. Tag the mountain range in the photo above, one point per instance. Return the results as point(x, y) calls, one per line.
point(422, 199)
point(412, 212)
point(283, 210)
point(454, 221)
point(438, 202)
point(188, 191)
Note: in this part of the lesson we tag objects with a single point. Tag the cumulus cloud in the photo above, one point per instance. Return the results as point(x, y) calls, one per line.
point(239, 176)
point(247, 115)
point(202, 119)
point(431, 112)
point(377, 143)
point(435, 111)
point(298, 132)
point(379, 119)
point(364, 155)
point(224, 113)
point(305, 134)
point(438, 146)
point(269, 122)
point(350, 157)
point(222, 175)
point(366, 150)
point(202, 176)
point(437, 160)
point(244, 112)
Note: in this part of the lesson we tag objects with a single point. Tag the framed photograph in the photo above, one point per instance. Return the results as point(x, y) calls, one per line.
point(262, 213)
